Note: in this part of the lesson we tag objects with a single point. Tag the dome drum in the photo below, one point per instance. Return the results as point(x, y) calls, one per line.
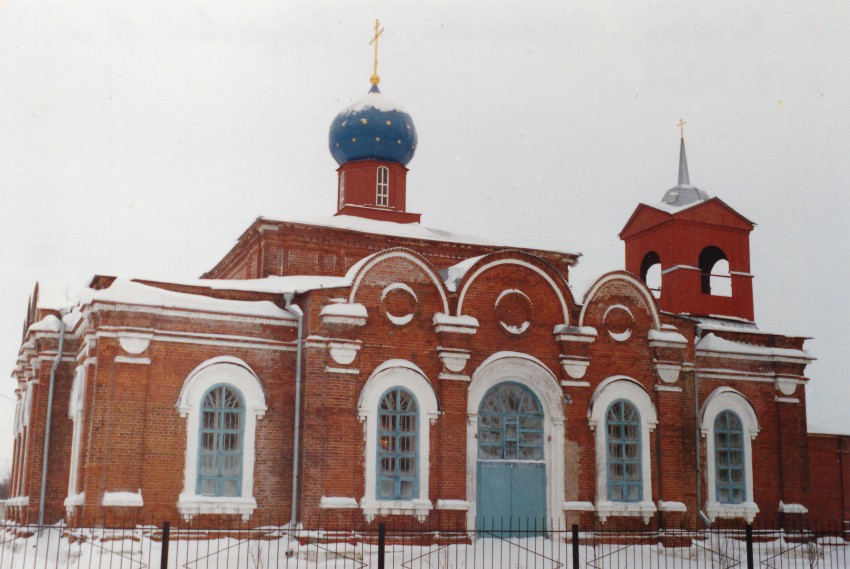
point(358, 191)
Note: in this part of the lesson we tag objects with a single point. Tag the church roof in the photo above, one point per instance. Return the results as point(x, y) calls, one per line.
point(683, 193)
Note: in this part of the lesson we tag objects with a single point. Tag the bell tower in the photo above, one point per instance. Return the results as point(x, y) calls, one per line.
point(692, 250)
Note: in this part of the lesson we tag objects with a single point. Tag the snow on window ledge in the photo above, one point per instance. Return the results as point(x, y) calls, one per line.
point(418, 508)
point(745, 510)
point(190, 505)
point(606, 509)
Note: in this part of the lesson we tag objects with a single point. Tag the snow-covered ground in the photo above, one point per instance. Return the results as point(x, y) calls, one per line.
point(141, 548)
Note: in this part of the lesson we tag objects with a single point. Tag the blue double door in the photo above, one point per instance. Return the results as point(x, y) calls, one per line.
point(511, 469)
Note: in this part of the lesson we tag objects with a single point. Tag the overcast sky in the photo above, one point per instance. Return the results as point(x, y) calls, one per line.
point(142, 138)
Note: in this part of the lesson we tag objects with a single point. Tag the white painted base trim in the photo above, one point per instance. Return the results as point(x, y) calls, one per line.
point(132, 360)
point(792, 508)
point(671, 506)
point(123, 499)
point(343, 370)
point(18, 501)
point(189, 505)
point(746, 510)
point(668, 388)
point(337, 503)
point(578, 507)
point(608, 509)
point(792, 400)
point(569, 383)
point(452, 505)
point(418, 508)
point(454, 376)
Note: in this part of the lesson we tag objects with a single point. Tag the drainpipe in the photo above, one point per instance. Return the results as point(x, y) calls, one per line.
point(298, 313)
point(702, 515)
point(49, 416)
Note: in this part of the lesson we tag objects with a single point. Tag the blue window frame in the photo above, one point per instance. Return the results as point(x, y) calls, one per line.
point(510, 424)
point(221, 442)
point(729, 458)
point(398, 446)
point(625, 478)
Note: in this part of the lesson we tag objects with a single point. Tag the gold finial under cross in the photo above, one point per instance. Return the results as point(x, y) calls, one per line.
point(378, 31)
point(681, 124)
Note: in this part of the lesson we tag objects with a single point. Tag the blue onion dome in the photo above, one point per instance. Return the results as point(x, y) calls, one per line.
point(373, 128)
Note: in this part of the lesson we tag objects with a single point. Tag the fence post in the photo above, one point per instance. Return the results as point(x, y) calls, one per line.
point(163, 560)
point(382, 535)
point(575, 546)
point(750, 562)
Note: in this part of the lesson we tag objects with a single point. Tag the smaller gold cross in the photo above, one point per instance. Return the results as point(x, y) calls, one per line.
point(681, 124)
point(378, 31)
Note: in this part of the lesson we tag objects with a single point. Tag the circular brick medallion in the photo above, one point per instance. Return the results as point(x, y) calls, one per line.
point(398, 303)
point(618, 319)
point(513, 311)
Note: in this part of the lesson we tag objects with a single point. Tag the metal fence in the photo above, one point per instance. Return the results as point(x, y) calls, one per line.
point(126, 544)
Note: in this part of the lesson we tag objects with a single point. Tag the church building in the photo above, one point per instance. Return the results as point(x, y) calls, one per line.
point(368, 367)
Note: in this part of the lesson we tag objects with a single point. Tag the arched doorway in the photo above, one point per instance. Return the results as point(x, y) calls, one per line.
point(511, 465)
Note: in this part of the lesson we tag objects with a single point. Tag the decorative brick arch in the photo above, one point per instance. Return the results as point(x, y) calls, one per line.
point(520, 259)
point(358, 272)
point(631, 280)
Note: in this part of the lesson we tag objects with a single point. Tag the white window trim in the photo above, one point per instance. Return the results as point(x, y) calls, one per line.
point(75, 414)
point(728, 399)
point(610, 390)
point(228, 371)
point(533, 374)
point(382, 198)
point(396, 373)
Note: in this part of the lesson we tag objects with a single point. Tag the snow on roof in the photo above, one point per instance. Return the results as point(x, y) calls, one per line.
point(374, 100)
point(712, 343)
point(670, 208)
point(272, 284)
point(124, 291)
point(453, 275)
point(409, 230)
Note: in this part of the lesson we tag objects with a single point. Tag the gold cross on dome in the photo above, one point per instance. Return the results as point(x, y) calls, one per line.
point(378, 31)
point(681, 124)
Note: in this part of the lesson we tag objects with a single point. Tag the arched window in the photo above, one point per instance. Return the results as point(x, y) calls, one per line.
point(398, 446)
point(650, 272)
point(729, 458)
point(624, 455)
point(623, 416)
point(75, 413)
point(714, 272)
point(382, 197)
point(222, 401)
point(396, 405)
point(729, 424)
point(220, 451)
point(341, 190)
point(510, 424)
